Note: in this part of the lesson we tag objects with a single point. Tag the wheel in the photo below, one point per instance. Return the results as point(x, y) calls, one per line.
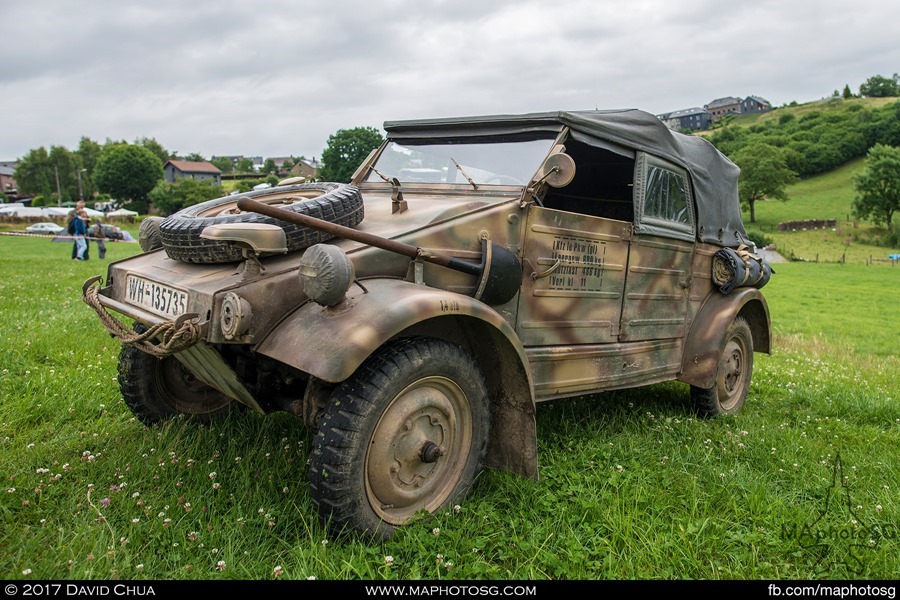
point(159, 389)
point(148, 234)
point(404, 434)
point(333, 202)
point(727, 395)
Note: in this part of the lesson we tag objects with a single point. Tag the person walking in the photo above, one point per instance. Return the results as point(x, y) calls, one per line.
point(97, 234)
point(70, 225)
point(80, 223)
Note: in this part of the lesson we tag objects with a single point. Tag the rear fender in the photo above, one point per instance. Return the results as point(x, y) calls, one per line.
point(330, 343)
point(707, 335)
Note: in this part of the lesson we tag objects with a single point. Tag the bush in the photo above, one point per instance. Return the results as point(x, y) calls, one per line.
point(760, 239)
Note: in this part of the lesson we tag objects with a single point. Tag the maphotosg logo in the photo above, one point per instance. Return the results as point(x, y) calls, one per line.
point(838, 535)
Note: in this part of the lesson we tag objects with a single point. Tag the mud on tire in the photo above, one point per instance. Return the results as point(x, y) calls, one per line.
point(333, 202)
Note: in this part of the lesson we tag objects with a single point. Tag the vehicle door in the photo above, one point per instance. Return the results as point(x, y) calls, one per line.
point(657, 282)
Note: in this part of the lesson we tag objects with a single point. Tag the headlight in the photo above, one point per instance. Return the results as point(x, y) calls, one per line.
point(325, 274)
point(235, 317)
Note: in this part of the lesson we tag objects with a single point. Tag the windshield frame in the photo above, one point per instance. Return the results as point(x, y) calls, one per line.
point(465, 161)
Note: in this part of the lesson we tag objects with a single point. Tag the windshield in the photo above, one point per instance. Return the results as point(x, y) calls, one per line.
point(478, 162)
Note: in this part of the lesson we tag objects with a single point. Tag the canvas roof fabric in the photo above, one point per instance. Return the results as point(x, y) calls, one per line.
point(713, 175)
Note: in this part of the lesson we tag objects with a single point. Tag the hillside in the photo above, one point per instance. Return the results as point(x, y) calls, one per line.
point(825, 142)
point(829, 105)
point(826, 196)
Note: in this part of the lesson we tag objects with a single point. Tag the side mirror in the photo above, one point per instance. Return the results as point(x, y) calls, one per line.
point(557, 171)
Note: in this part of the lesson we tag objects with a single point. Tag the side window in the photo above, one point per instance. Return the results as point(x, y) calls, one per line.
point(667, 196)
point(663, 199)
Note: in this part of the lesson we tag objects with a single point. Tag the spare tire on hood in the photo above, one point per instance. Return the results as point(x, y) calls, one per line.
point(339, 203)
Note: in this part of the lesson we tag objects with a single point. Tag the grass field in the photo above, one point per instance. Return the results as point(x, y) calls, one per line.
point(631, 484)
point(825, 197)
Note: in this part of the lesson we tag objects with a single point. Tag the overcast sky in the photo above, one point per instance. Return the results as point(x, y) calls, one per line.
point(276, 78)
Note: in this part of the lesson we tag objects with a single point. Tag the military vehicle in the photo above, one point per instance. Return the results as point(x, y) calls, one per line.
point(414, 317)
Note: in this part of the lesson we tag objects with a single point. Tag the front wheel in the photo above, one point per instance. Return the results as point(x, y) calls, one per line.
point(407, 433)
point(159, 389)
point(727, 395)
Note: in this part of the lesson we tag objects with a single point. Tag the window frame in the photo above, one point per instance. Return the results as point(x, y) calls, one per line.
point(653, 224)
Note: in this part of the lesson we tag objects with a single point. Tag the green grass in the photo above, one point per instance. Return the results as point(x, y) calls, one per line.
point(827, 196)
point(631, 485)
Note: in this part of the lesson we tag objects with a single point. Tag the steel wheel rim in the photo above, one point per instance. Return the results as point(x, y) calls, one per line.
point(418, 450)
point(732, 372)
point(179, 389)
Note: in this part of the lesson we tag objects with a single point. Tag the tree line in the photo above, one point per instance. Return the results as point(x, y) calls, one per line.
point(132, 173)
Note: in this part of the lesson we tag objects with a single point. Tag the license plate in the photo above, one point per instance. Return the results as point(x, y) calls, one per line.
point(155, 297)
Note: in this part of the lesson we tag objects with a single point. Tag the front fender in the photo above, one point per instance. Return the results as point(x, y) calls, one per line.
point(331, 342)
point(707, 335)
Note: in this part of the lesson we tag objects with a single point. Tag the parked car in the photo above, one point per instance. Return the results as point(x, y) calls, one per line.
point(112, 232)
point(45, 228)
point(414, 317)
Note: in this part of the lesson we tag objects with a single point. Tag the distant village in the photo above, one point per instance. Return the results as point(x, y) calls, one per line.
point(698, 119)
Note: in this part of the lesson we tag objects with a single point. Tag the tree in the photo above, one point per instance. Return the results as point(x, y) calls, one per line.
point(155, 147)
point(764, 174)
point(245, 165)
point(34, 173)
point(40, 172)
point(65, 167)
point(168, 198)
point(879, 87)
point(128, 173)
point(223, 163)
point(847, 94)
point(88, 153)
point(346, 149)
point(878, 185)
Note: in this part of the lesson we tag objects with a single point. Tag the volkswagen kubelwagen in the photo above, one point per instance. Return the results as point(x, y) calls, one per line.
point(414, 317)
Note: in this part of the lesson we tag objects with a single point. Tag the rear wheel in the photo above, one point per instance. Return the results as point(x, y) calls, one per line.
point(406, 434)
point(727, 395)
point(159, 389)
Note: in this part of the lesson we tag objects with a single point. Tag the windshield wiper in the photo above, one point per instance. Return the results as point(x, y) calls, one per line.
point(379, 173)
point(464, 173)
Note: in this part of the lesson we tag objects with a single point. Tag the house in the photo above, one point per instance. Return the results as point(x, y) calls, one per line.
point(755, 104)
point(722, 107)
point(694, 119)
point(199, 171)
point(306, 168)
point(7, 180)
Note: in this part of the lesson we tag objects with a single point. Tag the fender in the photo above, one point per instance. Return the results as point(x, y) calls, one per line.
point(707, 335)
point(330, 343)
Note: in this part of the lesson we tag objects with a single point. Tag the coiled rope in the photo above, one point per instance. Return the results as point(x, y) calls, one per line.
point(173, 336)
